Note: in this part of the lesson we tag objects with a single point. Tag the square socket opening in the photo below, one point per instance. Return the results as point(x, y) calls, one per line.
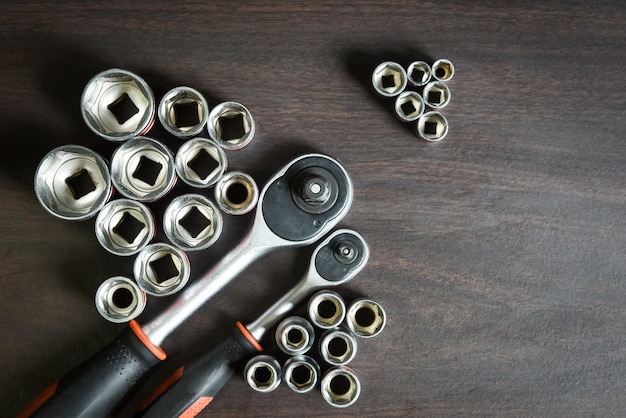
point(147, 170)
point(418, 75)
point(80, 184)
point(203, 164)
point(408, 108)
point(186, 115)
point(123, 108)
point(129, 228)
point(164, 268)
point(232, 127)
point(435, 97)
point(194, 222)
point(388, 81)
point(430, 128)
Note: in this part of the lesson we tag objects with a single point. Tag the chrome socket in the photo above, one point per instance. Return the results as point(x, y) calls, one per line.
point(418, 73)
point(340, 387)
point(301, 373)
point(263, 373)
point(294, 335)
point(118, 105)
point(161, 269)
point(389, 79)
point(366, 318)
point(236, 193)
point(432, 126)
point(183, 111)
point(326, 309)
point(436, 95)
point(143, 169)
point(73, 182)
point(200, 162)
point(231, 125)
point(409, 106)
point(443, 70)
point(192, 222)
point(337, 347)
point(119, 299)
point(124, 227)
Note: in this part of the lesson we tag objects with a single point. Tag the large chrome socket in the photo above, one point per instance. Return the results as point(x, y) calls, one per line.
point(73, 182)
point(337, 347)
point(294, 335)
point(236, 193)
point(301, 373)
point(389, 79)
point(118, 105)
point(119, 299)
point(326, 309)
point(409, 106)
point(432, 126)
point(418, 73)
point(192, 222)
point(231, 125)
point(366, 318)
point(263, 373)
point(443, 70)
point(124, 227)
point(143, 169)
point(436, 95)
point(161, 269)
point(340, 387)
point(200, 162)
point(183, 112)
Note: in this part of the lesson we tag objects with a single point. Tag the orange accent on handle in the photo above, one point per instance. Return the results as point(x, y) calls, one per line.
point(154, 349)
point(196, 408)
point(255, 343)
point(38, 402)
point(162, 388)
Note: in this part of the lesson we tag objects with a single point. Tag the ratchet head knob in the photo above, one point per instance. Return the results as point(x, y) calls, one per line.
point(346, 252)
point(314, 190)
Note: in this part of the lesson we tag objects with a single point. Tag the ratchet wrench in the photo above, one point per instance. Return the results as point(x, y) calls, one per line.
point(298, 205)
point(335, 261)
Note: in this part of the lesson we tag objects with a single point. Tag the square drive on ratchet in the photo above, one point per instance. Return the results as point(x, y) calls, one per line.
point(298, 205)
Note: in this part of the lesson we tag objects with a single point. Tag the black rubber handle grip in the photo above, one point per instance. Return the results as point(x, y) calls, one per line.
point(198, 382)
point(96, 386)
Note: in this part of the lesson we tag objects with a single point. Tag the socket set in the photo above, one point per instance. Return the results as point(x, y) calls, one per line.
point(420, 92)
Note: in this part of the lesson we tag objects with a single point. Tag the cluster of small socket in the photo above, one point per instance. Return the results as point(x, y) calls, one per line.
point(73, 182)
point(390, 79)
point(339, 327)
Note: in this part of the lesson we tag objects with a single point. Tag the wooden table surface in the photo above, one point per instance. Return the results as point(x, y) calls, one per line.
point(498, 253)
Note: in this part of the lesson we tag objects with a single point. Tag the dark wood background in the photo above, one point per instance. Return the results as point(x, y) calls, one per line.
point(499, 253)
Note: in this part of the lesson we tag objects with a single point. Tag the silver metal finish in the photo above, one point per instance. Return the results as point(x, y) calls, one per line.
point(200, 162)
point(259, 241)
point(443, 70)
point(432, 126)
point(263, 373)
point(183, 111)
point(236, 193)
point(231, 125)
point(340, 387)
point(294, 335)
point(161, 269)
point(409, 106)
point(418, 73)
point(118, 299)
point(192, 222)
point(366, 318)
point(301, 373)
point(72, 182)
point(118, 105)
point(124, 227)
point(389, 79)
point(436, 95)
point(143, 169)
point(326, 309)
point(337, 347)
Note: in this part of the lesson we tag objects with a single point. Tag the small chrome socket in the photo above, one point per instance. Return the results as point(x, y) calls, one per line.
point(231, 125)
point(436, 95)
point(294, 335)
point(337, 347)
point(200, 162)
point(389, 79)
point(183, 112)
point(118, 105)
point(366, 318)
point(263, 373)
point(432, 126)
point(124, 227)
point(143, 169)
point(236, 193)
point(73, 182)
point(161, 269)
point(340, 387)
point(192, 222)
point(119, 299)
point(301, 373)
point(418, 73)
point(443, 70)
point(326, 309)
point(409, 106)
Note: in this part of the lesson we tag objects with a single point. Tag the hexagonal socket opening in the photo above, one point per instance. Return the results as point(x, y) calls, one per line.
point(389, 79)
point(436, 94)
point(443, 70)
point(432, 126)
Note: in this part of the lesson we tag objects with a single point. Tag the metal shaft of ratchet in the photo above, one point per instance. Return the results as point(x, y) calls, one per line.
point(192, 387)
